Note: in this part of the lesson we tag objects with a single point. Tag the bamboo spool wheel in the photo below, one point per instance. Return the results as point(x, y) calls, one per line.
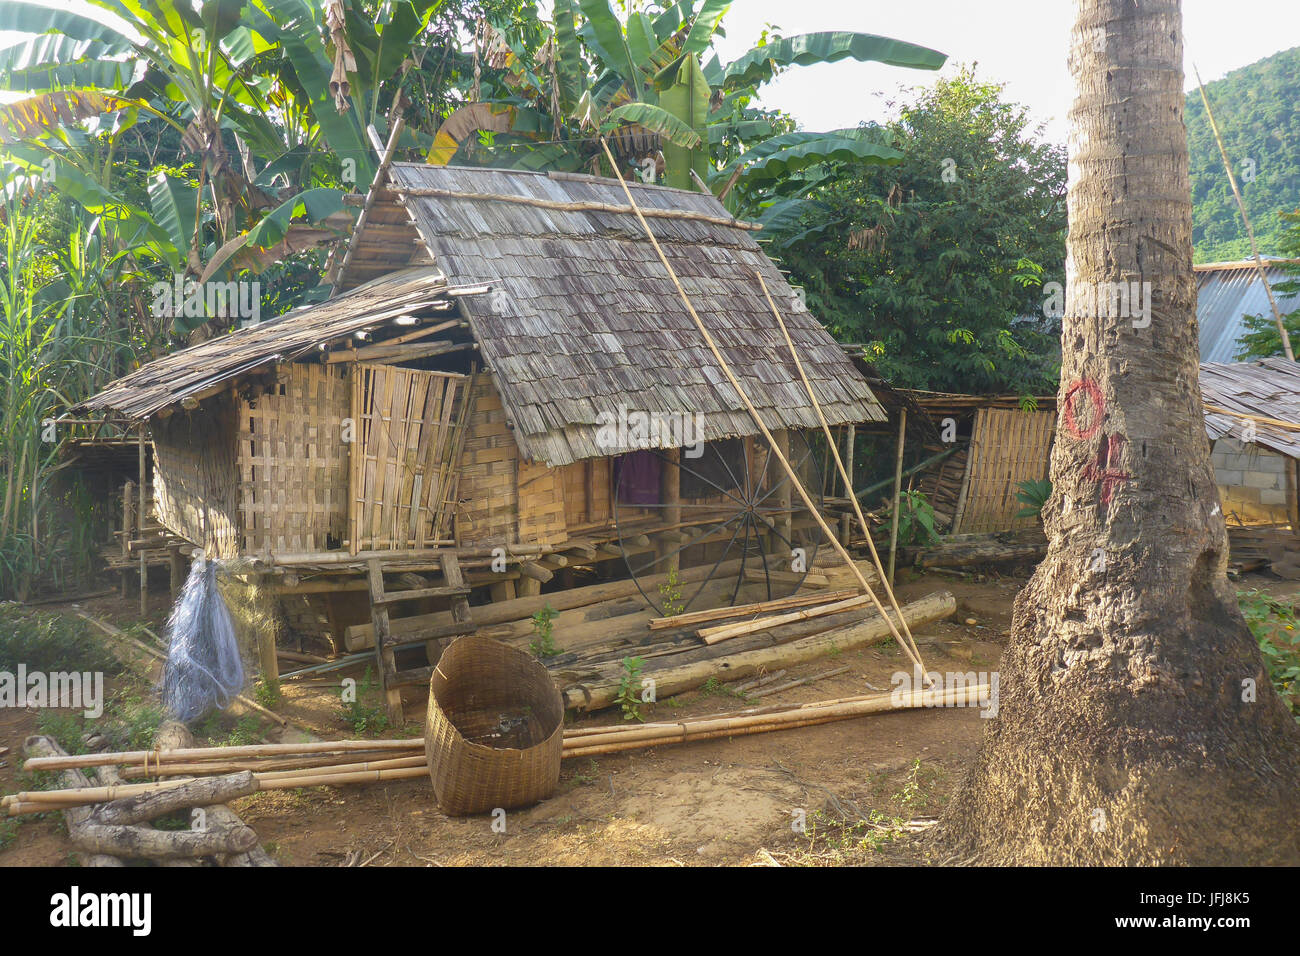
point(734, 502)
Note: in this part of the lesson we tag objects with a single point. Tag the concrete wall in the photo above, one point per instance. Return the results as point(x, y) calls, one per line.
point(1253, 482)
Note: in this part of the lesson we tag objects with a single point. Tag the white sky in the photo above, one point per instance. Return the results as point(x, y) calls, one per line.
point(1021, 43)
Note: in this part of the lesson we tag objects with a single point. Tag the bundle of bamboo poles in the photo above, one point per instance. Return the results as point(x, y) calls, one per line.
point(340, 762)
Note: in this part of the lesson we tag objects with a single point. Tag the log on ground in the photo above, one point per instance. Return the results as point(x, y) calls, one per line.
point(675, 674)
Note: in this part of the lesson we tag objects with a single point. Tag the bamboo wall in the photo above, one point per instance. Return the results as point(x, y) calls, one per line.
point(1008, 446)
point(487, 501)
point(586, 488)
point(410, 426)
point(293, 462)
point(196, 478)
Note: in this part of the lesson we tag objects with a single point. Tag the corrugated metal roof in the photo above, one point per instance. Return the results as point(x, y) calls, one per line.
point(1226, 292)
point(1268, 389)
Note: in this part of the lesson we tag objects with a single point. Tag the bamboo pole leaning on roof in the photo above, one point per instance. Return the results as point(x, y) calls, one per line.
point(898, 493)
point(753, 412)
point(888, 579)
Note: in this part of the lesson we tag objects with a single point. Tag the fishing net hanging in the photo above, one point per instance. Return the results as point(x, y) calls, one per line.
point(204, 669)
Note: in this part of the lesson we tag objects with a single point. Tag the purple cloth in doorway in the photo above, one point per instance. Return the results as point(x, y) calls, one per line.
point(638, 478)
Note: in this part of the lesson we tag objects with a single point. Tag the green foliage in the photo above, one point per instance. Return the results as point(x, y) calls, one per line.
point(653, 71)
point(933, 262)
point(629, 688)
point(8, 832)
point(1261, 340)
point(49, 641)
point(364, 717)
point(128, 723)
point(716, 688)
point(1274, 626)
point(543, 628)
point(1033, 494)
point(671, 593)
point(915, 520)
point(1255, 108)
point(268, 693)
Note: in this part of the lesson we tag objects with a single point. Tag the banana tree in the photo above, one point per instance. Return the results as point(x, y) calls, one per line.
point(258, 72)
point(643, 83)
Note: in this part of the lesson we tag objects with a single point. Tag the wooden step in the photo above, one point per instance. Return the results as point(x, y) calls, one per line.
point(410, 677)
point(393, 597)
point(454, 629)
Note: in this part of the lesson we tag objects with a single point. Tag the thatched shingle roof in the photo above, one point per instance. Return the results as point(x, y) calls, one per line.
point(584, 318)
point(196, 370)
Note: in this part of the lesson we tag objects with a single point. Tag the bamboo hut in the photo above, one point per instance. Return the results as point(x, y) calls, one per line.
point(504, 391)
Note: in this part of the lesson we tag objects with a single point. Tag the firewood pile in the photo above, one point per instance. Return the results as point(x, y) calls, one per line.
point(1259, 547)
point(112, 830)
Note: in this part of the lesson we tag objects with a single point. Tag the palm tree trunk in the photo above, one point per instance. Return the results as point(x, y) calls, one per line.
point(1137, 723)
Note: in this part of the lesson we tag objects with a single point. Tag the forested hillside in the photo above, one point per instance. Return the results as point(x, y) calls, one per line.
point(1258, 113)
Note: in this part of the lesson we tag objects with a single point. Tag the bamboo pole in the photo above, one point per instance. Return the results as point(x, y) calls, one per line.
point(617, 739)
point(749, 406)
point(577, 206)
point(740, 610)
point(712, 635)
point(765, 723)
point(847, 477)
point(898, 493)
point(201, 753)
point(144, 567)
point(1250, 231)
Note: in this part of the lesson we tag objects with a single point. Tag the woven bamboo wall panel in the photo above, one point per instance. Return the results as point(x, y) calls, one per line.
point(541, 504)
point(195, 486)
point(1007, 446)
point(487, 501)
point(404, 472)
point(586, 486)
point(293, 462)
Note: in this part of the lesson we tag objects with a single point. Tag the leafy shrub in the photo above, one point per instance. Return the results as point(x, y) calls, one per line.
point(1033, 494)
point(1274, 626)
point(915, 520)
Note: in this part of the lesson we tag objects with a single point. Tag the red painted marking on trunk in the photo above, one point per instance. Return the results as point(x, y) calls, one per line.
point(1098, 409)
point(1105, 469)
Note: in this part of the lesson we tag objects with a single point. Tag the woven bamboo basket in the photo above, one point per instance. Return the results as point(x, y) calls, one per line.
point(494, 732)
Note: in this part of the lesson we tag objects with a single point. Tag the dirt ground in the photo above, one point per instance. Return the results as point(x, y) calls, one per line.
point(719, 802)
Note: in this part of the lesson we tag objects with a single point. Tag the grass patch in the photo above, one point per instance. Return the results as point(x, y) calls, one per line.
point(129, 722)
point(360, 710)
point(48, 641)
point(221, 731)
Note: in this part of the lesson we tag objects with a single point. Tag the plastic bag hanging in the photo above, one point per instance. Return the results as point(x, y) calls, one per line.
point(203, 665)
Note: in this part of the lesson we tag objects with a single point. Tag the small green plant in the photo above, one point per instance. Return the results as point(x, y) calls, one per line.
point(64, 727)
point(267, 693)
point(8, 833)
point(1275, 628)
point(364, 718)
point(629, 688)
point(671, 592)
point(247, 730)
point(915, 520)
point(543, 628)
point(1033, 494)
point(715, 688)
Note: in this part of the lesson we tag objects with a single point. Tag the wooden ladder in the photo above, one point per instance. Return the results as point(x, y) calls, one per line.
point(434, 639)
